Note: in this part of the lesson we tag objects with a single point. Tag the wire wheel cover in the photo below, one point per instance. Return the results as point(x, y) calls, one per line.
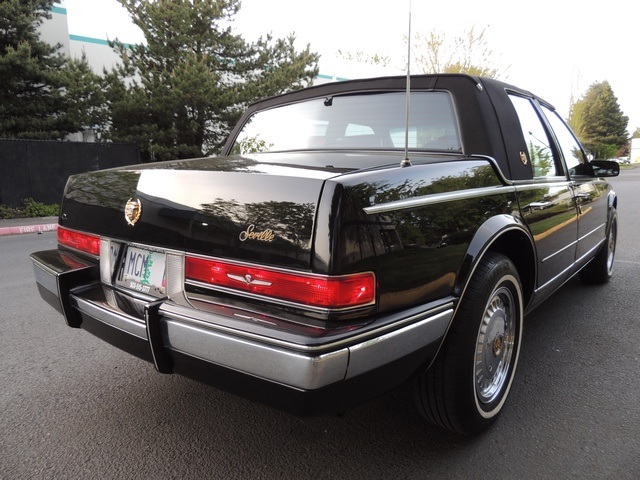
point(495, 345)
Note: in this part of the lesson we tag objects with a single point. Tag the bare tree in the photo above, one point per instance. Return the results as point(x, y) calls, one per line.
point(363, 57)
point(467, 53)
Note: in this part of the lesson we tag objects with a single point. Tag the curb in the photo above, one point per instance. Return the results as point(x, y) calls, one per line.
point(20, 230)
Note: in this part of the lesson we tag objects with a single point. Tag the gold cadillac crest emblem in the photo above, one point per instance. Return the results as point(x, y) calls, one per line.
point(132, 211)
point(523, 158)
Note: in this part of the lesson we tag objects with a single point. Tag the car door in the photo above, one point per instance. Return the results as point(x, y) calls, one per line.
point(547, 200)
point(590, 193)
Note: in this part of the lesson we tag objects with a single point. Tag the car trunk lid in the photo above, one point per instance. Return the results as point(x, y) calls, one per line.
point(234, 208)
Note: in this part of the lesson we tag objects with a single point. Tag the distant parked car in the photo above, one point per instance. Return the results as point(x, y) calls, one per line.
point(620, 160)
point(336, 249)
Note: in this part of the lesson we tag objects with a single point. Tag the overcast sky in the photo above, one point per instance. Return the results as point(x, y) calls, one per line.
point(555, 48)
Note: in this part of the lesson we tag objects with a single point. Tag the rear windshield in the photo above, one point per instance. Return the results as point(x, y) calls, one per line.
point(363, 121)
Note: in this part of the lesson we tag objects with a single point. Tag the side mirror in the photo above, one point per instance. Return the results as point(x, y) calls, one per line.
point(605, 168)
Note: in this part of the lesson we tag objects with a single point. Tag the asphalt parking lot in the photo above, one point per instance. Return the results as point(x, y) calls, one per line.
point(72, 406)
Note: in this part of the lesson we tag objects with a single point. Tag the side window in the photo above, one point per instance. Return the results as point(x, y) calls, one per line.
point(535, 136)
point(354, 130)
point(569, 146)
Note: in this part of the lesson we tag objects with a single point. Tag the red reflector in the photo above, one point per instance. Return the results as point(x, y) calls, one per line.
point(319, 291)
point(84, 242)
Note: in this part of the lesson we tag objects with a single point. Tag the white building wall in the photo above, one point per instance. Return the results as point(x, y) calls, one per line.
point(634, 155)
point(98, 53)
point(56, 30)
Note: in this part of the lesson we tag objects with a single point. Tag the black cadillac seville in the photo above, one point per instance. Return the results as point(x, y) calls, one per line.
point(339, 248)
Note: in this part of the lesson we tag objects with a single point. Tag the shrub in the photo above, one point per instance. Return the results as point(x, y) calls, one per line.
point(30, 208)
point(37, 209)
point(9, 212)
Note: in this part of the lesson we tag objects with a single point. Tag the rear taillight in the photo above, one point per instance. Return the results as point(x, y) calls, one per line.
point(83, 242)
point(332, 292)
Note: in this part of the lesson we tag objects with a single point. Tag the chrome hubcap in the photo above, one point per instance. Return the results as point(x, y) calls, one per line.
point(611, 247)
point(495, 345)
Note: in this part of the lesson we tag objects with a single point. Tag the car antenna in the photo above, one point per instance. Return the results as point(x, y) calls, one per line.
point(406, 162)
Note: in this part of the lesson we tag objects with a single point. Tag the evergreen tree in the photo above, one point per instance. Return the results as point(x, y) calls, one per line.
point(37, 82)
point(598, 121)
point(179, 95)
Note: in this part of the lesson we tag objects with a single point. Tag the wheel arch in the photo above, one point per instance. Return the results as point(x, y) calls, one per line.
point(507, 235)
point(612, 200)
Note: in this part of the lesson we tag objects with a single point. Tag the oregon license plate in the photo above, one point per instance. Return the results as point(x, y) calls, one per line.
point(143, 270)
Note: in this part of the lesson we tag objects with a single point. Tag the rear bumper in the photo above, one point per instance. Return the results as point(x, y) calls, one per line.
point(304, 371)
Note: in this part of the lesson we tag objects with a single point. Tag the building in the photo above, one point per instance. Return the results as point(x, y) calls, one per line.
point(97, 50)
point(634, 154)
point(100, 55)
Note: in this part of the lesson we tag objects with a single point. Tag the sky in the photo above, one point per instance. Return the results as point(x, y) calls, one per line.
point(554, 48)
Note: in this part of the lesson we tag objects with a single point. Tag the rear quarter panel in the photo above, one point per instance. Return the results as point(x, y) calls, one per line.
point(411, 226)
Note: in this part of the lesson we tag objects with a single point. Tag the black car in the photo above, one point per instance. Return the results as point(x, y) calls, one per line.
point(346, 241)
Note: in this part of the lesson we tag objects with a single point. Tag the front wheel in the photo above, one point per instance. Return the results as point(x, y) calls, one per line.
point(600, 268)
point(466, 387)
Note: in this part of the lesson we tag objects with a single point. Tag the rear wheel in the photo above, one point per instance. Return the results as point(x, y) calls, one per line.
point(466, 387)
point(600, 269)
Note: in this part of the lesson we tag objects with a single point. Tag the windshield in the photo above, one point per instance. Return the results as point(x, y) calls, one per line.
point(362, 121)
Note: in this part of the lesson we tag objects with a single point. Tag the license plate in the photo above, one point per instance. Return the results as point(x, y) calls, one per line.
point(143, 270)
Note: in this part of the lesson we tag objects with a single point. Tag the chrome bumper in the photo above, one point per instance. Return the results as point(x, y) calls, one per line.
point(291, 359)
point(301, 365)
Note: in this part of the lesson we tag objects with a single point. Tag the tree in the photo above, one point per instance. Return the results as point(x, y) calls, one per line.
point(38, 84)
point(598, 121)
point(179, 95)
point(363, 57)
point(436, 53)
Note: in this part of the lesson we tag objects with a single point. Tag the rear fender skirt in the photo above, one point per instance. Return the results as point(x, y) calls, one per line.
point(489, 234)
